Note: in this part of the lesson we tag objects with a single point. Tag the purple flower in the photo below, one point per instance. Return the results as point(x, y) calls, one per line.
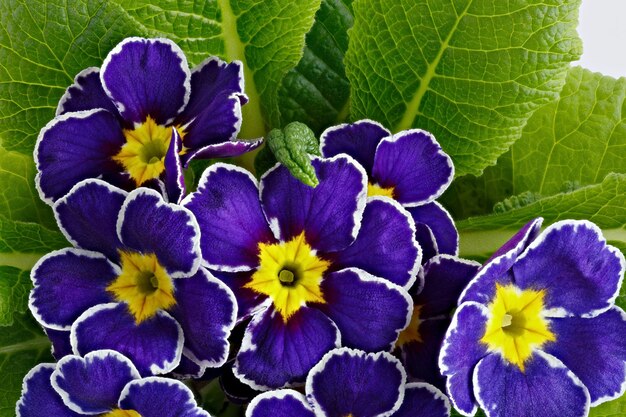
point(315, 268)
point(537, 332)
point(132, 282)
point(140, 118)
point(350, 382)
point(445, 277)
point(409, 167)
point(105, 383)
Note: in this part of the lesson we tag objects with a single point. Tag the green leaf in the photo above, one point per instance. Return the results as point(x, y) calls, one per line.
point(615, 408)
point(22, 346)
point(470, 71)
point(316, 91)
point(14, 288)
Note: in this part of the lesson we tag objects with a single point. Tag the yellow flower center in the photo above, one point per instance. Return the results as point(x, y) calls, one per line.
point(375, 189)
point(143, 154)
point(143, 285)
point(290, 274)
point(516, 326)
point(122, 413)
point(412, 332)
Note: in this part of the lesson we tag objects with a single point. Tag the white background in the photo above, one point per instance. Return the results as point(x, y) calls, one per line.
point(603, 31)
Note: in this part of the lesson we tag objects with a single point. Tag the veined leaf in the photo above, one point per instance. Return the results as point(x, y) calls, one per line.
point(316, 91)
point(15, 284)
point(22, 346)
point(470, 71)
point(615, 408)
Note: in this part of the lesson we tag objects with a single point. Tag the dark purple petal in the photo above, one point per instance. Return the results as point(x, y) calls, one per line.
point(423, 400)
point(60, 340)
point(93, 384)
point(427, 241)
point(235, 391)
point(39, 398)
point(227, 207)
point(461, 351)
point(352, 382)
point(595, 350)
point(571, 261)
point(155, 345)
point(282, 403)
point(369, 311)
point(160, 397)
point(87, 216)
point(420, 357)
point(173, 174)
point(329, 214)
point(274, 353)
point(248, 301)
point(546, 388)
point(359, 140)
point(413, 163)
point(385, 245)
point(86, 94)
point(147, 77)
point(188, 369)
point(66, 283)
point(520, 240)
point(147, 224)
point(222, 150)
point(73, 147)
point(441, 225)
point(206, 310)
point(445, 277)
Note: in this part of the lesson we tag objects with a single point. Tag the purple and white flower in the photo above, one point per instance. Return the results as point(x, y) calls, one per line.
point(315, 268)
point(105, 383)
point(140, 118)
point(538, 332)
point(409, 167)
point(349, 382)
point(132, 282)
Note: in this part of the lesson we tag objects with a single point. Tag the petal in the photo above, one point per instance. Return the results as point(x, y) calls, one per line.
point(174, 179)
point(93, 384)
point(330, 214)
point(248, 301)
point(482, 288)
point(445, 277)
point(60, 340)
point(188, 369)
point(369, 311)
point(413, 163)
point(595, 350)
point(147, 77)
point(581, 274)
point(440, 223)
point(155, 345)
point(423, 400)
point(86, 94)
point(39, 398)
point(87, 216)
point(420, 357)
point(222, 150)
point(149, 225)
point(213, 114)
point(359, 140)
point(206, 310)
point(274, 353)
point(352, 382)
point(66, 283)
point(546, 388)
point(73, 147)
point(385, 245)
point(461, 351)
point(160, 397)
point(235, 391)
point(281, 403)
point(229, 213)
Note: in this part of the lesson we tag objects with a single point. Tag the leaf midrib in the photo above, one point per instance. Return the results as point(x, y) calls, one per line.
point(413, 107)
point(40, 342)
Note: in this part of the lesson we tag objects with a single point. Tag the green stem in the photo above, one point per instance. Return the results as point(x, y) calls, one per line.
point(39, 342)
point(23, 261)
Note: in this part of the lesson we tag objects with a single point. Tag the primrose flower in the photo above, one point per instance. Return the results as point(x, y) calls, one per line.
point(105, 383)
point(445, 277)
point(349, 382)
point(132, 283)
point(315, 268)
point(409, 167)
point(537, 332)
point(138, 118)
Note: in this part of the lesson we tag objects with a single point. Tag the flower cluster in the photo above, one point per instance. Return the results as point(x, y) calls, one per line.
point(352, 289)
